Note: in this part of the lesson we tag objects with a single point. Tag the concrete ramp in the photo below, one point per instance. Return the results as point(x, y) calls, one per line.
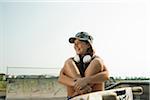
point(34, 88)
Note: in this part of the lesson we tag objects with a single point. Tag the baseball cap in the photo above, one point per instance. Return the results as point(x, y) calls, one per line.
point(82, 36)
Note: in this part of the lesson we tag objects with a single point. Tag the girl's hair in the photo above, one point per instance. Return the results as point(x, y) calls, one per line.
point(90, 50)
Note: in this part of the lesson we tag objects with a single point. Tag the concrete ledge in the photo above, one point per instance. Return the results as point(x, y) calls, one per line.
point(41, 98)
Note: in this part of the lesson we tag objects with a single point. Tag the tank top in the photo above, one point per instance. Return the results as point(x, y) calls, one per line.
point(82, 66)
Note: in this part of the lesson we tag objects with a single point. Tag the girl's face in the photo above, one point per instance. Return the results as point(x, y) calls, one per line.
point(81, 47)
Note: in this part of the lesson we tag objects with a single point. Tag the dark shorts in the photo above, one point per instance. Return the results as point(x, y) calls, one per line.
point(69, 97)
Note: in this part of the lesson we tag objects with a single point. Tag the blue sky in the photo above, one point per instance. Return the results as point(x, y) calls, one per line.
point(35, 34)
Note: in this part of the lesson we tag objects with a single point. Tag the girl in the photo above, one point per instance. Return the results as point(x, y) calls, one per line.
point(86, 71)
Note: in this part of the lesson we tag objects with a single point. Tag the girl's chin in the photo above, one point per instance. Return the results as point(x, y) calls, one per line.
point(78, 53)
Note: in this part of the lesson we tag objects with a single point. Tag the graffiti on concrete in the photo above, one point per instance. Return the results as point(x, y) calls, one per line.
point(35, 87)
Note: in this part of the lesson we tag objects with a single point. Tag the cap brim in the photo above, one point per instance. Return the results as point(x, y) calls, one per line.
point(72, 39)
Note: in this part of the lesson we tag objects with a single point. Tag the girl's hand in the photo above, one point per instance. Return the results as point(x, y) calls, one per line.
point(80, 83)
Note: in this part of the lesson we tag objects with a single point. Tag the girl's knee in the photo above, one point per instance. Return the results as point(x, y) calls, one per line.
point(94, 67)
point(92, 71)
point(70, 69)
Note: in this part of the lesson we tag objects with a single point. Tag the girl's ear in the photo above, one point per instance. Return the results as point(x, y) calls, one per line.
point(89, 45)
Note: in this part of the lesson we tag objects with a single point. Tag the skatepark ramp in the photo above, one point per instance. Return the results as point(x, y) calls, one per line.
point(41, 88)
point(30, 88)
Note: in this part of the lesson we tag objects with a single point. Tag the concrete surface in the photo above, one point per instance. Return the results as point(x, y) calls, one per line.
point(50, 89)
point(53, 98)
point(34, 88)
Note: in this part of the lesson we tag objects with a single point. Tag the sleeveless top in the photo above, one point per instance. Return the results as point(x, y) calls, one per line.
point(82, 66)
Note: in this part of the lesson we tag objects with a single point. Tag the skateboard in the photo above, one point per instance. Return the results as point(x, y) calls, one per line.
point(125, 93)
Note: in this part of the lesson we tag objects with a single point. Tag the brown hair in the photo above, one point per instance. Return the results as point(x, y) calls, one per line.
point(90, 50)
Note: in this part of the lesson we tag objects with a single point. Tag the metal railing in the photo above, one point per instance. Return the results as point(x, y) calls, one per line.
point(32, 71)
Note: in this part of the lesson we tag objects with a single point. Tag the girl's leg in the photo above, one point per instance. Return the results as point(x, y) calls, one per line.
point(70, 69)
point(70, 91)
point(95, 67)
